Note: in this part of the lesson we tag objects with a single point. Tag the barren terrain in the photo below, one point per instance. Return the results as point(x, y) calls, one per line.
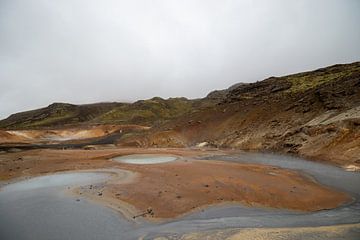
point(314, 115)
point(184, 185)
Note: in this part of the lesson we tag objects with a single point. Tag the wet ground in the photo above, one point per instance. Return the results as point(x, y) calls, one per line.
point(41, 208)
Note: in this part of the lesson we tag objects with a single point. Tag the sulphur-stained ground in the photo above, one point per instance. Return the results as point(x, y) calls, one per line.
point(176, 188)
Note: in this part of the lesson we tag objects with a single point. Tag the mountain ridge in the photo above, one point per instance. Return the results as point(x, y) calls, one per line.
point(315, 114)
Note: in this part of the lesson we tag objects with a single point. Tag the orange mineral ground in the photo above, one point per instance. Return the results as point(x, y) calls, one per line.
point(179, 187)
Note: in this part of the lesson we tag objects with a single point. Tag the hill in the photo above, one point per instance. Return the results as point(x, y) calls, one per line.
point(315, 114)
point(144, 112)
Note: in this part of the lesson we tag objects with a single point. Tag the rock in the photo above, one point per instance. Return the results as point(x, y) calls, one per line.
point(149, 210)
point(202, 144)
point(352, 168)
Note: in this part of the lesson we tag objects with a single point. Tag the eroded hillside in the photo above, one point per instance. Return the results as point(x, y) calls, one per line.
point(314, 114)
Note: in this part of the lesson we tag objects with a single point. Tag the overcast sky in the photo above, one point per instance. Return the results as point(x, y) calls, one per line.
point(83, 51)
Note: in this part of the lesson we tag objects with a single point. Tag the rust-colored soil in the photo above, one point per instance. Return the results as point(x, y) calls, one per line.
point(175, 188)
point(62, 135)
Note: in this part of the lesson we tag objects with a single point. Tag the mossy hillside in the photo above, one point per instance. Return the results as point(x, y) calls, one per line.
point(304, 81)
point(147, 111)
point(56, 112)
point(144, 112)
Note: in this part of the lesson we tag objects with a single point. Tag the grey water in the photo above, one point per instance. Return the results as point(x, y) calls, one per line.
point(145, 159)
point(39, 208)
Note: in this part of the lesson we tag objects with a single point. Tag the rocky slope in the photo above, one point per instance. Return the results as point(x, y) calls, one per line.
point(144, 112)
point(315, 114)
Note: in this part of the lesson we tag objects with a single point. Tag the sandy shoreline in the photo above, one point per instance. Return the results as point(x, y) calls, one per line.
point(94, 192)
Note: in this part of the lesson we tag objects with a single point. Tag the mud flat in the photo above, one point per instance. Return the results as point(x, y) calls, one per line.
point(188, 195)
point(191, 185)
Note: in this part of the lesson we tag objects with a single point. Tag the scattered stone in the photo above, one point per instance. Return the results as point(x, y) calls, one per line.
point(78, 200)
point(100, 194)
point(351, 168)
point(149, 211)
point(202, 144)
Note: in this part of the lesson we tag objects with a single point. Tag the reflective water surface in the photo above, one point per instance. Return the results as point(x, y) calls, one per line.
point(145, 159)
point(39, 208)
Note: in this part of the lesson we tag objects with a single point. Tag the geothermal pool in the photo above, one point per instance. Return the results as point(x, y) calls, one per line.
point(41, 208)
point(55, 180)
point(145, 159)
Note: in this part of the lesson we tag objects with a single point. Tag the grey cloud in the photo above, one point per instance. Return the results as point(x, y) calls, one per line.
point(89, 51)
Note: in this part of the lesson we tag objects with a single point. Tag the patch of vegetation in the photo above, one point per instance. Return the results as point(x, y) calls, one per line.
point(144, 112)
point(308, 80)
point(54, 119)
point(147, 111)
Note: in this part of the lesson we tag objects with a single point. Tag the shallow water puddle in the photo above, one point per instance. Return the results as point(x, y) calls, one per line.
point(145, 159)
point(56, 180)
